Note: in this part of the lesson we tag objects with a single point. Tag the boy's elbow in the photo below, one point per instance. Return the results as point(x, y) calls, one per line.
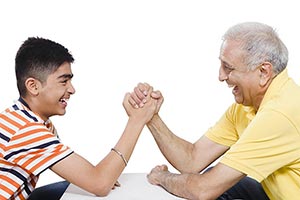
point(101, 190)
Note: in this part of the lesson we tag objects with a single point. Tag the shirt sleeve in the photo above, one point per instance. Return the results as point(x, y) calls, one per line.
point(269, 138)
point(35, 148)
point(226, 130)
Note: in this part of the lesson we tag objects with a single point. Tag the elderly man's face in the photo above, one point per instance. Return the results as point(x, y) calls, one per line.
point(244, 82)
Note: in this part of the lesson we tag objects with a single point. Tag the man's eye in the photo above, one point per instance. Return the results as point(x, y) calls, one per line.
point(229, 68)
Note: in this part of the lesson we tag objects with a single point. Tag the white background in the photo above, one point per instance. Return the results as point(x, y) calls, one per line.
point(171, 44)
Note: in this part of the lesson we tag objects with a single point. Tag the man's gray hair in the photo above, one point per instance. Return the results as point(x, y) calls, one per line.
point(260, 43)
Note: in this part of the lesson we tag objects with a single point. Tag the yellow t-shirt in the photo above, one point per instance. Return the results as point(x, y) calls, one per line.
point(265, 145)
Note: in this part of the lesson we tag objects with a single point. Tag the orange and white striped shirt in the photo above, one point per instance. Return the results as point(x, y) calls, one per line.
point(28, 146)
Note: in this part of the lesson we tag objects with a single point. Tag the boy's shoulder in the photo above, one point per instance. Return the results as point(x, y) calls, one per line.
point(18, 118)
point(18, 115)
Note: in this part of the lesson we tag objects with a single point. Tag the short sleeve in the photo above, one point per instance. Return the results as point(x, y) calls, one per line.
point(228, 129)
point(35, 148)
point(269, 138)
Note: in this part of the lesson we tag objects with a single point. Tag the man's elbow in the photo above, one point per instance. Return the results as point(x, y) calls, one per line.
point(199, 192)
point(201, 196)
point(204, 196)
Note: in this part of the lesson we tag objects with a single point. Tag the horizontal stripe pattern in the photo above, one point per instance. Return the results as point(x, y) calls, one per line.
point(27, 148)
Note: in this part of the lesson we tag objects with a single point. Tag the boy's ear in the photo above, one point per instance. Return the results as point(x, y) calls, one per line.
point(32, 86)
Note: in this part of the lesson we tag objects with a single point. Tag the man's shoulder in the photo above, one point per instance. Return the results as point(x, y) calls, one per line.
point(239, 109)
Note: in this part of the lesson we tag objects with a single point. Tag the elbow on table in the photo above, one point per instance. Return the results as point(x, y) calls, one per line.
point(101, 190)
point(204, 195)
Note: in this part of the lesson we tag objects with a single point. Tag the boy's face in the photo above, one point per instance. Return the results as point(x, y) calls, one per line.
point(55, 92)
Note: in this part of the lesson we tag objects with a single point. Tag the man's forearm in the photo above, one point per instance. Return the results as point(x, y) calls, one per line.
point(209, 185)
point(182, 185)
point(176, 150)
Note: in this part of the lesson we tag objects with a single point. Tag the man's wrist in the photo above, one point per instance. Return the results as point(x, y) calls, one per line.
point(165, 178)
point(154, 119)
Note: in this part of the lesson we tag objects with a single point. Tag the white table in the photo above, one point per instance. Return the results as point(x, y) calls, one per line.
point(134, 186)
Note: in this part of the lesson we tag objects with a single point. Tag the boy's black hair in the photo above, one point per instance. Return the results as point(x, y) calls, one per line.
point(37, 58)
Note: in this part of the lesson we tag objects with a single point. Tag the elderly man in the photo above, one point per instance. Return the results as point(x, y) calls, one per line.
point(258, 137)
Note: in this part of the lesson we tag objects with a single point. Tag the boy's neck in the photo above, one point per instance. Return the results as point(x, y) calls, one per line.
point(28, 103)
point(21, 99)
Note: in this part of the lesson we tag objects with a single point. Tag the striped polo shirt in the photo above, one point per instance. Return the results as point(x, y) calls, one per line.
point(28, 146)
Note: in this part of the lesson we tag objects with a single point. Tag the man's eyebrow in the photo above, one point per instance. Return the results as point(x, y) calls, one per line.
point(222, 61)
point(225, 63)
point(66, 76)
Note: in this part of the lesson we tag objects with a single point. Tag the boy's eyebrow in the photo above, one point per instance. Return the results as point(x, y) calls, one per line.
point(68, 76)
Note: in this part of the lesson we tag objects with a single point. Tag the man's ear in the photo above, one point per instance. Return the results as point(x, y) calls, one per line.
point(266, 73)
point(32, 86)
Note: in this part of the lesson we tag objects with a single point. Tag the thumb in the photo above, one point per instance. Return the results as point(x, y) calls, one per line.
point(126, 99)
point(156, 94)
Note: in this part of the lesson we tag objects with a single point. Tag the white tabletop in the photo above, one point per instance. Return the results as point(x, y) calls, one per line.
point(134, 186)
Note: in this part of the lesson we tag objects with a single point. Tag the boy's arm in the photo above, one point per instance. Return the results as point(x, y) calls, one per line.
point(101, 178)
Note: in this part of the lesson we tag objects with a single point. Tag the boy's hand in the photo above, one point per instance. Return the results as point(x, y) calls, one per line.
point(138, 96)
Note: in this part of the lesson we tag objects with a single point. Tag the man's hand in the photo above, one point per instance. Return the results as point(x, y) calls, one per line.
point(138, 96)
point(156, 174)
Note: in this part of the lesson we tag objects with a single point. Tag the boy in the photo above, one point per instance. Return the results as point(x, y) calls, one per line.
point(28, 141)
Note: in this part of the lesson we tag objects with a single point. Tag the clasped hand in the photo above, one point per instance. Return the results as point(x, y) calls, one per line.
point(143, 95)
point(138, 98)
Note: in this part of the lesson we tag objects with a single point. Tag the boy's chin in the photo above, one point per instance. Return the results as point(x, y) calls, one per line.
point(61, 113)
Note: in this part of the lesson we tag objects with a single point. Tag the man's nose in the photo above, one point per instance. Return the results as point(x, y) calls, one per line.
point(222, 75)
